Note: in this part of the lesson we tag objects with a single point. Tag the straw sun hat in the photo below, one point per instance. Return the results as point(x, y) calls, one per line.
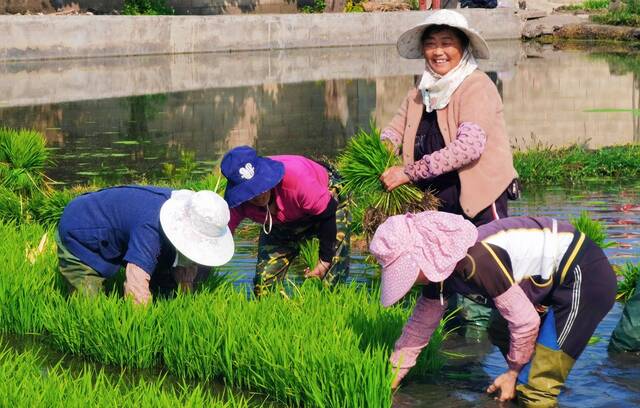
point(410, 45)
point(196, 224)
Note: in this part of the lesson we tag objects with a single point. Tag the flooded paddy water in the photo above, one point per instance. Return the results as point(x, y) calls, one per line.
point(120, 119)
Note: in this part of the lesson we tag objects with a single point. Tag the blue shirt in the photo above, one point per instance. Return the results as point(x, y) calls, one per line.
point(109, 228)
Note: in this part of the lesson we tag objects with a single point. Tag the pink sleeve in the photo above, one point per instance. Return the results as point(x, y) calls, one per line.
point(236, 217)
point(524, 323)
point(466, 148)
point(392, 136)
point(416, 334)
point(137, 284)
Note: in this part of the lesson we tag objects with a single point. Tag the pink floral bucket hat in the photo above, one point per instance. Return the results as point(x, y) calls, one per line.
point(432, 242)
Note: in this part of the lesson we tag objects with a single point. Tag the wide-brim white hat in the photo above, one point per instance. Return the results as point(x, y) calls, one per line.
point(196, 223)
point(410, 45)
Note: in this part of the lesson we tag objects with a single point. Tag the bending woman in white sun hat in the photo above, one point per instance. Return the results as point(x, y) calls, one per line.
point(164, 238)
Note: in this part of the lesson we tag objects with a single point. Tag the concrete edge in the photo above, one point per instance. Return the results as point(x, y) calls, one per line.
point(82, 36)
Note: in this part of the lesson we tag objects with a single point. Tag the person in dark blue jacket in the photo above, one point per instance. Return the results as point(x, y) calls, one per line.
point(158, 234)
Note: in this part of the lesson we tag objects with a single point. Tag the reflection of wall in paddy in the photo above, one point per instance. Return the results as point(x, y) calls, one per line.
point(390, 92)
point(315, 118)
point(546, 99)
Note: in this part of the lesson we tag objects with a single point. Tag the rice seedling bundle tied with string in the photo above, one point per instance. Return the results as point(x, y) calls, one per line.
point(364, 159)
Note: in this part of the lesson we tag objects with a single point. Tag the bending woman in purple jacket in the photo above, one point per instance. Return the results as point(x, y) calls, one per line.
point(551, 284)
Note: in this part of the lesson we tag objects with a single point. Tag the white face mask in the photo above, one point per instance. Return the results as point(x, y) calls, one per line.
point(267, 219)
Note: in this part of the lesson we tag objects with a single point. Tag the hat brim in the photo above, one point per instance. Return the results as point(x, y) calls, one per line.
point(397, 279)
point(409, 44)
point(201, 249)
point(268, 174)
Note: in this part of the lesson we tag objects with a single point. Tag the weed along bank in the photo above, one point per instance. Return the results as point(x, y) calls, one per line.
point(366, 209)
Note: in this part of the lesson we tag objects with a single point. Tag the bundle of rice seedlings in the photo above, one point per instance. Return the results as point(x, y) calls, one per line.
point(594, 230)
point(310, 252)
point(47, 208)
point(11, 206)
point(629, 282)
point(22, 158)
point(364, 159)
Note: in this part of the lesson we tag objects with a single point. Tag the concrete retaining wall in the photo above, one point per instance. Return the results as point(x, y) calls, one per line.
point(43, 37)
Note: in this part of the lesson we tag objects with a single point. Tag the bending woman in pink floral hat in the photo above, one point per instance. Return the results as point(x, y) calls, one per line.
point(551, 284)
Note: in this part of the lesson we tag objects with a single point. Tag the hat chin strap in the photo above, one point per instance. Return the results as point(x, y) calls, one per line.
point(269, 219)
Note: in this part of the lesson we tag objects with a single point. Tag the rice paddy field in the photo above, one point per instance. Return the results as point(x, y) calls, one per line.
point(305, 345)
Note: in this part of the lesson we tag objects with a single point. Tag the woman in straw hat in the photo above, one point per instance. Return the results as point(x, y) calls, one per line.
point(294, 198)
point(164, 238)
point(549, 282)
point(451, 133)
point(450, 129)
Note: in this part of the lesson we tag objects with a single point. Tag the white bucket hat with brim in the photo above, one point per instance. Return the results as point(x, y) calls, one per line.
point(410, 45)
point(196, 223)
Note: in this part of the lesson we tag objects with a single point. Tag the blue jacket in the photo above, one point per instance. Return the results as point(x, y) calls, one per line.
point(109, 228)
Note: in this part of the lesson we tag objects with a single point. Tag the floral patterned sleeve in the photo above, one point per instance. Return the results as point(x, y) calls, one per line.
point(393, 137)
point(466, 148)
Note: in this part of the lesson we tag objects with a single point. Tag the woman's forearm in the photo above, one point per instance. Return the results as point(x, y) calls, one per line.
point(416, 333)
point(524, 323)
point(466, 148)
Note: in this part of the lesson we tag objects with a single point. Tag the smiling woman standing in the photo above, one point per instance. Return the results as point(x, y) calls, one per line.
point(450, 130)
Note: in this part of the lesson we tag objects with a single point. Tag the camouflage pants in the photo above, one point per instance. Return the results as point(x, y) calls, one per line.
point(278, 249)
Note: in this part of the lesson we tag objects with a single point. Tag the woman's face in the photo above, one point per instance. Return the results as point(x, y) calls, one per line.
point(442, 51)
point(262, 199)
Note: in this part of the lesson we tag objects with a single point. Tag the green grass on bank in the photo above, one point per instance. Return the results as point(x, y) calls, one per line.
point(575, 164)
point(627, 15)
point(25, 382)
point(587, 5)
point(315, 347)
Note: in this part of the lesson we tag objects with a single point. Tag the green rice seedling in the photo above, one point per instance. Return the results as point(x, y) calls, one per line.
point(361, 163)
point(628, 284)
point(545, 165)
point(23, 155)
point(108, 329)
point(593, 229)
point(12, 207)
point(28, 280)
point(310, 252)
point(47, 208)
point(313, 348)
point(26, 380)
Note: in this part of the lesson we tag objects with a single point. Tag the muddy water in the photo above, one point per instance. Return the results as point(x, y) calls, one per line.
point(120, 119)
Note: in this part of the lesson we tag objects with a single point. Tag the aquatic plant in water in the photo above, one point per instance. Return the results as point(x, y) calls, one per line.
point(546, 165)
point(629, 282)
point(361, 163)
point(310, 252)
point(23, 155)
point(25, 380)
point(593, 229)
point(313, 348)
